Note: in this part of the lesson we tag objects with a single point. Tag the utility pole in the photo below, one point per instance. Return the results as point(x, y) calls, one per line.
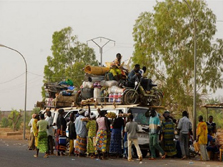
point(101, 47)
point(24, 121)
point(195, 67)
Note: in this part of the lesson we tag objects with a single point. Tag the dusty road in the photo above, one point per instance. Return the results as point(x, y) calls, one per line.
point(14, 153)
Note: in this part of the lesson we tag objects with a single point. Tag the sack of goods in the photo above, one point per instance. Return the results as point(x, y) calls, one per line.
point(87, 93)
point(87, 84)
point(97, 94)
point(108, 83)
point(111, 115)
point(116, 89)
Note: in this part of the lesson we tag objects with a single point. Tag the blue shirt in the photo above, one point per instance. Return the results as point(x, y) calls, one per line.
point(132, 77)
point(154, 123)
point(80, 126)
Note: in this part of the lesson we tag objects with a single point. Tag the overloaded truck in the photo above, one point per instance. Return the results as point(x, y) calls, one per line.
point(99, 91)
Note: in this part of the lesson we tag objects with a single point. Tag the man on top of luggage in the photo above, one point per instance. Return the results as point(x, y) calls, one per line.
point(134, 75)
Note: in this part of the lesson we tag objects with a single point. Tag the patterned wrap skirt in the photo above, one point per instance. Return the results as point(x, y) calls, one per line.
point(80, 146)
point(101, 141)
point(115, 143)
point(42, 141)
point(90, 145)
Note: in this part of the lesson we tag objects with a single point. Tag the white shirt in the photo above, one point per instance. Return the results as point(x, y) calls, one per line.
point(31, 125)
point(50, 122)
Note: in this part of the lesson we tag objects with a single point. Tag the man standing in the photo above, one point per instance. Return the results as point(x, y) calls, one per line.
point(132, 129)
point(211, 126)
point(185, 128)
point(50, 132)
point(81, 132)
point(32, 138)
point(154, 128)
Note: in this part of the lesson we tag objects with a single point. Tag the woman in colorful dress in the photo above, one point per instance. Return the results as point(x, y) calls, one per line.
point(101, 138)
point(168, 135)
point(91, 127)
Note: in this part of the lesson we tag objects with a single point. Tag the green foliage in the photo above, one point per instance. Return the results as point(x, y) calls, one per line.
point(15, 120)
point(69, 56)
point(164, 42)
point(4, 122)
point(216, 113)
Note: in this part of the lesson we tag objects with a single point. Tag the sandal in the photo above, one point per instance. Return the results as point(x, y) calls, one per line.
point(45, 156)
point(152, 158)
point(35, 156)
point(184, 157)
point(163, 156)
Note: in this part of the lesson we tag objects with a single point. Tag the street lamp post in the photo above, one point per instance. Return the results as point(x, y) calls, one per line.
point(195, 68)
point(24, 126)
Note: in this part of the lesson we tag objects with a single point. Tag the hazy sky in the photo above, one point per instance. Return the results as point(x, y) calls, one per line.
point(28, 25)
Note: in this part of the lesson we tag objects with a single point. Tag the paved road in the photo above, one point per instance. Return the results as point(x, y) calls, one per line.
point(14, 153)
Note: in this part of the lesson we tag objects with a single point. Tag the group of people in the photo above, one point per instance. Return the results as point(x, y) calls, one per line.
point(41, 134)
point(205, 137)
point(101, 137)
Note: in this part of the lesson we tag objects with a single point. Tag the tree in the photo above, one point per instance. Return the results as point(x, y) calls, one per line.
point(15, 120)
point(4, 122)
point(69, 56)
point(164, 43)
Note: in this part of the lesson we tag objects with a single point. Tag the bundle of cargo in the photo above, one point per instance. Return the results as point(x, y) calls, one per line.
point(59, 94)
point(87, 101)
point(64, 101)
point(100, 91)
point(40, 104)
point(50, 102)
point(96, 70)
point(111, 115)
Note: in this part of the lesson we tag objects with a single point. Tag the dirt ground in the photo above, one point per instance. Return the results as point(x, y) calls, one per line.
point(7, 133)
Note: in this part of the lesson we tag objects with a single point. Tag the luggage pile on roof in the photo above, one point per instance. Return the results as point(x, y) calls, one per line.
point(99, 87)
point(58, 94)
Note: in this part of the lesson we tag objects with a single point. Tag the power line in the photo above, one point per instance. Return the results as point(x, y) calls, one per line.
point(12, 79)
point(35, 74)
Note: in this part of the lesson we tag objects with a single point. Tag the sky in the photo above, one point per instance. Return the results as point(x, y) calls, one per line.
point(28, 26)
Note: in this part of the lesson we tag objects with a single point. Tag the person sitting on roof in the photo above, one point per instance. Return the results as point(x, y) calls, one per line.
point(116, 67)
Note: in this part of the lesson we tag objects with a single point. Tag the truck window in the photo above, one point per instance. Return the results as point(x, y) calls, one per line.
point(139, 115)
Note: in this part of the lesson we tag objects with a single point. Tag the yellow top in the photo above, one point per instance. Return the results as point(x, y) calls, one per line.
point(202, 132)
point(35, 130)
